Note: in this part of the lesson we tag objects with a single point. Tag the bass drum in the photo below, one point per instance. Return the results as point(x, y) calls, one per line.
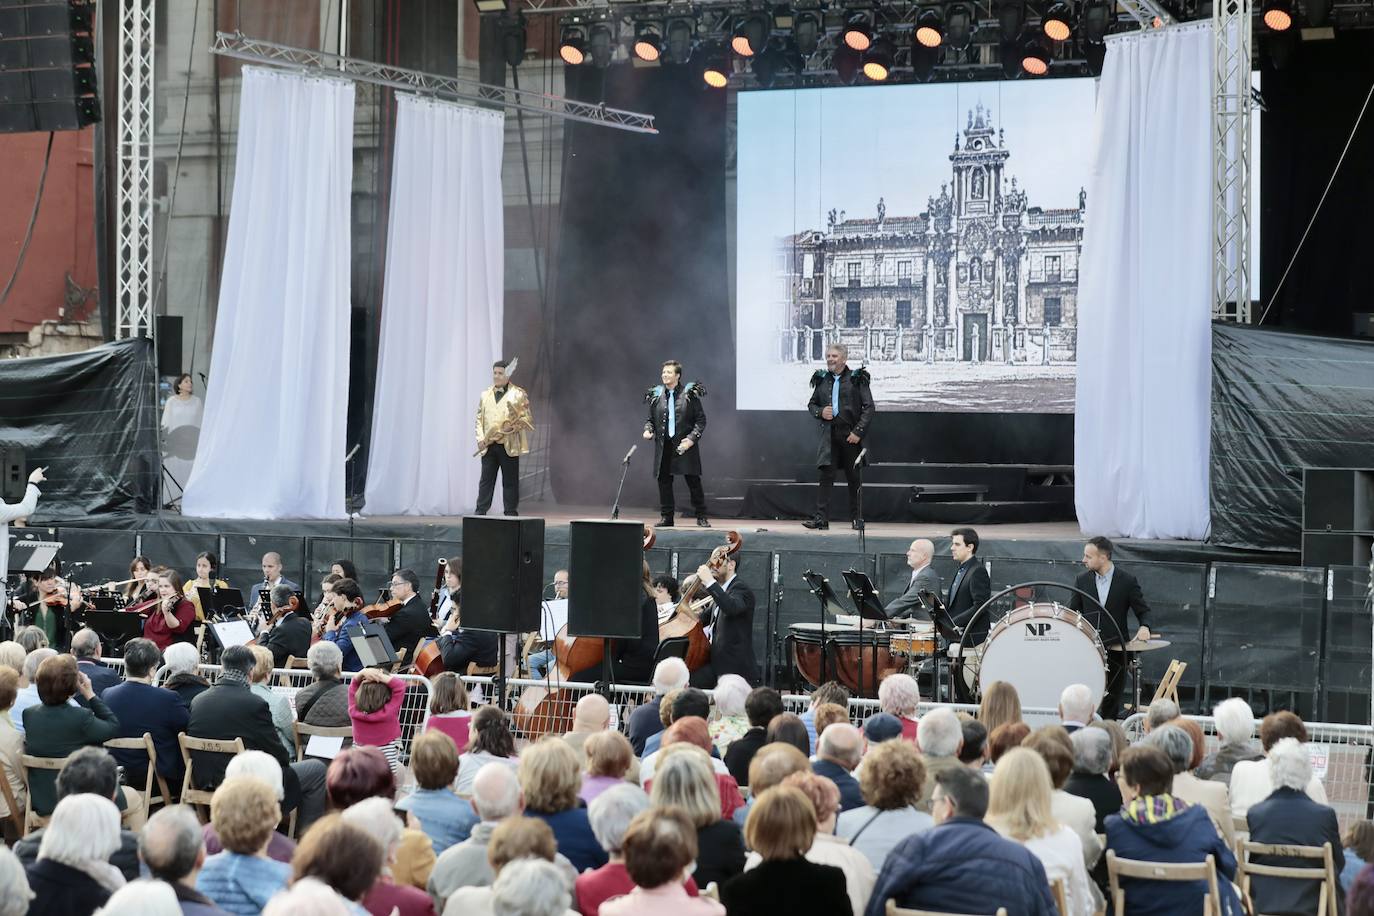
point(1040, 649)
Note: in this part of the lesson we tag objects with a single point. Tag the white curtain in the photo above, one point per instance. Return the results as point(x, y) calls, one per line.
point(442, 308)
point(275, 407)
point(1141, 423)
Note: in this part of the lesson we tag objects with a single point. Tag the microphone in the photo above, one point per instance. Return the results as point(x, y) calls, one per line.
point(353, 451)
point(860, 460)
point(629, 453)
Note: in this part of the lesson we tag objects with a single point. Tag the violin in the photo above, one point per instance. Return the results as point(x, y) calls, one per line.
point(384, 608)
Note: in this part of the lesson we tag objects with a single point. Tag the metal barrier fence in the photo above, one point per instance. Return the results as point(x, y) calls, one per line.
point(1342, 758)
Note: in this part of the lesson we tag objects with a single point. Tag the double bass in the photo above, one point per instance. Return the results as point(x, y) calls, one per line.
point(684, 621)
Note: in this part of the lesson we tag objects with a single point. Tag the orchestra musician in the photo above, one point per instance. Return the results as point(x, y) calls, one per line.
point(289, 633)
point(731, 624)
point(321, 612)
point(539, 662)
point(171, 616)
point(970, 587)
point(666, 596)
point(51, 611)
point(503, 424)
point(676, 422)
point(452, 592)
point(460, 648)
point(258, 603)
point(207, 565)
point(632, 660)
point(411, 622)
point(923, 579)
point(10, 512)
point(142, 584)
point(1119, 593)
point(346, 611)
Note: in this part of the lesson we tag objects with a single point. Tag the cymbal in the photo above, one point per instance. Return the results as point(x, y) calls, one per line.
point(1141, 645)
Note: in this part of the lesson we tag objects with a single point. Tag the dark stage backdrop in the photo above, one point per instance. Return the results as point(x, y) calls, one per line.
point(642, 278)
point(1282, 402)
point(1312, 104)
point(91, 420)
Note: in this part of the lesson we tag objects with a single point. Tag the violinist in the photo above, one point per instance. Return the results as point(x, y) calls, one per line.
point(52, 610)
point(289, 631)
point(172, 616)
point(347, 611)
point(632, 660)
point(731, 622)
point(321, 612)
point(411, 622)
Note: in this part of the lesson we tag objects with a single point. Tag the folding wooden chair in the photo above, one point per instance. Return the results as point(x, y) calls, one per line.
point(190, 795)
point(1168, 685)
point(1061, 896)
point(1163, 871)
point(145, 744)
point(16, 810)
point(324, 731)
point(1325, 871)
point(894, 910)
point(29, 762)
point(292, 663)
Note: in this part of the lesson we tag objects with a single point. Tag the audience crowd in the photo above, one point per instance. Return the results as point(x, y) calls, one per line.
point(719, 802)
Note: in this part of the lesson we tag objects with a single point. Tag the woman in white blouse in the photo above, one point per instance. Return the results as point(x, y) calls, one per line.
point(1019, 809)
point(180, 433)
point(1250, 782)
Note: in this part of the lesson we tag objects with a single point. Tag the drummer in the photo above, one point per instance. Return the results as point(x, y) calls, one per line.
point(923, 579)
point(1119, 593)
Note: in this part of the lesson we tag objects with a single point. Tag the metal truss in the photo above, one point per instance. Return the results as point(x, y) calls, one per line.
point(241, 47)
point(134, 171)
point(1231, 105)
point(1147, 12)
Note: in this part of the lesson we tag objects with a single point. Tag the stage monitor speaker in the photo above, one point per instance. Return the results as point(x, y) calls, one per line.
point(15, 474)
point(169, 364)
point(1338, 499)
point(606, 569)
point(47, 66)
point(503, 565)
point(1320, 548)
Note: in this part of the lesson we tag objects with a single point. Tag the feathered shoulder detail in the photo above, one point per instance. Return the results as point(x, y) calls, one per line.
point(694, 390)
point(652, 393)
point(860, 376)
point(819, 376)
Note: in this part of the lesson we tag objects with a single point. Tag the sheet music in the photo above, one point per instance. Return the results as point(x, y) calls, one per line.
point(554, 614)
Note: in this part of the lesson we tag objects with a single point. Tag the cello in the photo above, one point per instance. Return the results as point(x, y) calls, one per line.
point(684, 620)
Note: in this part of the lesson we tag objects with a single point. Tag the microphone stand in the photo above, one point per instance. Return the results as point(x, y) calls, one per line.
point(624, 470)
point(859, 470)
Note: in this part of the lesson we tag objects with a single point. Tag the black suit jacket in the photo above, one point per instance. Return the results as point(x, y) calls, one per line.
point(290, 637)
point(634, 658)
point(644, 724)
point(1289, 818)
point(732, 640)
point(1123, 595)
point(225, 712)
point(796, 887)
point(460, 648)
point(689, 423)
point(159, 712)
point(970, 590)
point(856, 408)
point(1101, 790)
point(409, 625)
point(740, 753)
point(101, 677)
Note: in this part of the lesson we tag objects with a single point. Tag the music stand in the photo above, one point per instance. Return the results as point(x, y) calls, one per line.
point(220, 602)
point(865, 598)
point(819, 586)
point(947, 629)
point(372, 644)
point(33, 555)
point(230, 633)
point(114, 628)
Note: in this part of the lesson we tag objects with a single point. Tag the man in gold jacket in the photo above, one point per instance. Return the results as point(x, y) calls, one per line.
point(503, 424)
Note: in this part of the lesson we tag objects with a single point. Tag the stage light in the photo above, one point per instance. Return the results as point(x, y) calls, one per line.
point(930, 27)
point(1035, 57)
point(1281, 47)
point(716, 70)
point(959, 26)
point(846, 62)
point(923, 61)
point(648, 44)
point(750, 35)
point(858, 32)
point(680, 34)
point(1011, 16)
point(1095, 21)
point(1057, 21)
point(878, 59)
point(1278, 15)
point(513, 41)
point(600, 44)
point(572, 46)
point(807, 28)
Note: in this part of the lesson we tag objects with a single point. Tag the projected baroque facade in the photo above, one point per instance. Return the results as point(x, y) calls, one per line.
point(979, 277)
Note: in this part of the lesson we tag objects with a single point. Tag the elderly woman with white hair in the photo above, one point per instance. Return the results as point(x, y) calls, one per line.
point(308, 897)
point(530, 887)
point(73, 875)
point(1235, 722)
point(15, 900)
point(325, 702)
point(610, 815)
point(144, 897)
point(1289, 817)
point(374, 815)
point(259, 765)
point(180, 672)
point(729, 720)
point(899, 696)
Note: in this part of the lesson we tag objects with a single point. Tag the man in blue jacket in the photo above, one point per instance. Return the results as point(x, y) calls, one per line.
point(962, 865)
point(141, 707)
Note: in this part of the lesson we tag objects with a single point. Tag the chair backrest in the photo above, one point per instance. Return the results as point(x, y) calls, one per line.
point(16, 813)
point(1061, 896)
point(672, 647)
point(712, 892)
point(190, 795)
point(145, 745)
point(29, 762)
point(1163, 871)
point(1168, 685)
point(291, 663)
point(304, 731)
point(1324, 869)
point(894, 910)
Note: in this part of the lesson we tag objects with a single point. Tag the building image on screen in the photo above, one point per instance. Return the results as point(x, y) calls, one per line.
point(947, 261)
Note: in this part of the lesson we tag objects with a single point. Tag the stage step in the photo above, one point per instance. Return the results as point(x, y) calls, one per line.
point(893, 502)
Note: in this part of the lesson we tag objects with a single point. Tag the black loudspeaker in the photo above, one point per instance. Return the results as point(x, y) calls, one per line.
point(503, 566)
point(1321, 548)
point(1337, 499)
point(47, 66)
point(169, 362)
point(606, 569)
point(14, 474)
